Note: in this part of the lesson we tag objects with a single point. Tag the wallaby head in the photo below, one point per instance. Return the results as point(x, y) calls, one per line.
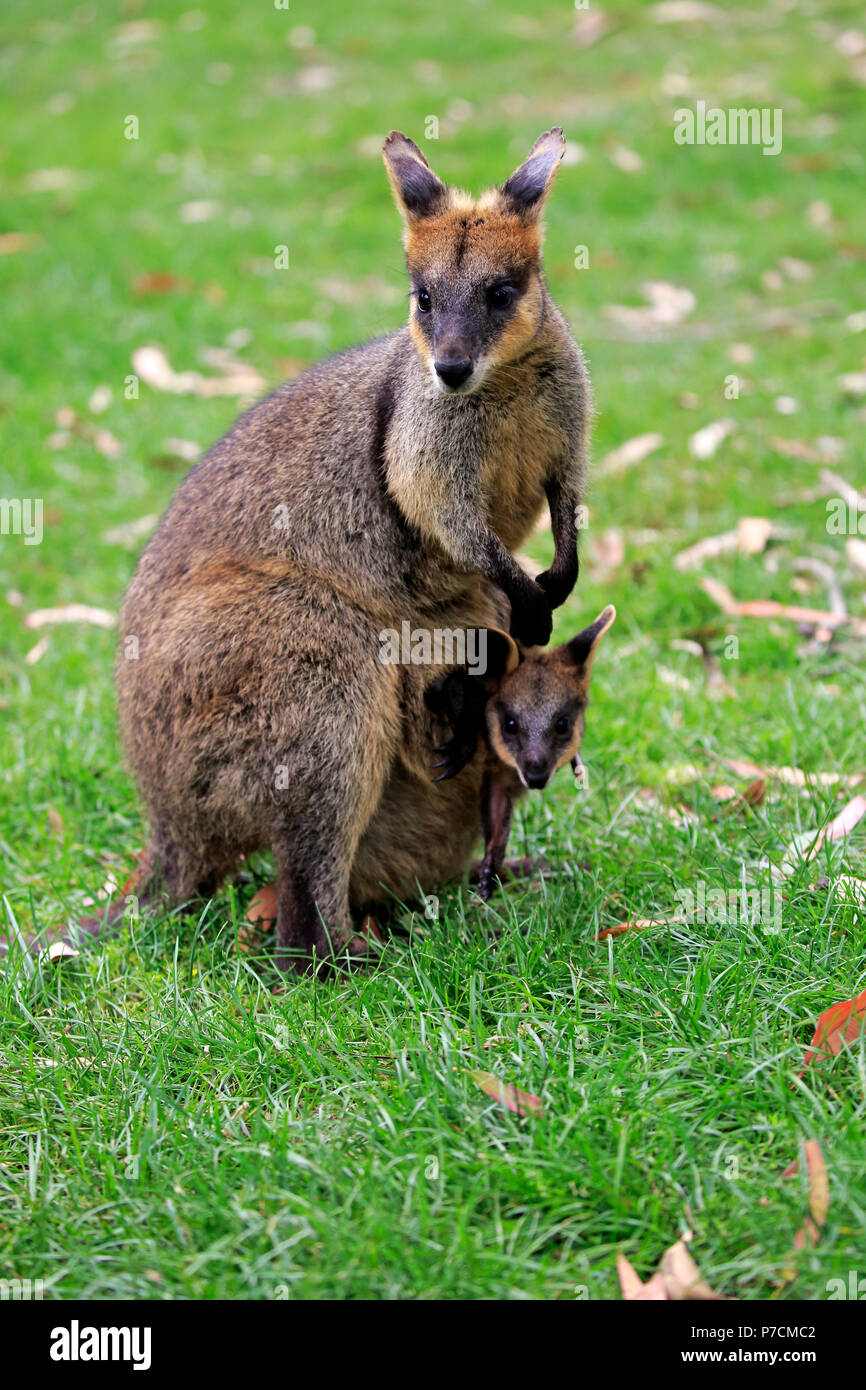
point(535, 718)
point(475, 267)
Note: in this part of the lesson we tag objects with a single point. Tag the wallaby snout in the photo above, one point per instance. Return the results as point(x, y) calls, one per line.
point(453, 372)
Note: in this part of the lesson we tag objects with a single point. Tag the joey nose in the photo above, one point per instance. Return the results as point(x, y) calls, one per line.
point(454, 372)
point(535, 774)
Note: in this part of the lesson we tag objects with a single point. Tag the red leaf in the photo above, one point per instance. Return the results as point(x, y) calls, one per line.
point(633, 924)
point(838, 1025)
point(518, 1102)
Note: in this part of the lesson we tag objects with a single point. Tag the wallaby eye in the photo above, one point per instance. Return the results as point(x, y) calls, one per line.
point(425, 303)
point(509, 724)
point(561, 727)
point(500, 296)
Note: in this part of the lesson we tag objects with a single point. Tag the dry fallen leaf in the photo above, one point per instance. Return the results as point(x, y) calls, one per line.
point(607, 551)
point(835, 485)
point(668, 305)
point(792, 776)
point(631, 452)
point(856, 551)
point(235, 379)
point(13, 242)
point(853, 384)
point(589, 27)
point(733, 800)
point(837, 1026)
point(70, 613)
point(626, 160)
point(518, 1102)
point(36, 653)
point(705, 442)
point(58, 950)
point(686, 12)
point(819, 1196)
point(262, 911)
point(130, 531)
point(633, 924)
point(633, 1289)
point(261, 917)
point(676, 1280)
point(770, 608)
point(749, 538)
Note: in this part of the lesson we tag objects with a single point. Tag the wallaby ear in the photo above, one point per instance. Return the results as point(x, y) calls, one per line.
point(502, 655)
point(416, 188)
point(527, 189)
point(580, 651)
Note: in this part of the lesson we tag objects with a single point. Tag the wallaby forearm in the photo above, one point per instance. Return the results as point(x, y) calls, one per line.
point(558, 582)
point(472, 545)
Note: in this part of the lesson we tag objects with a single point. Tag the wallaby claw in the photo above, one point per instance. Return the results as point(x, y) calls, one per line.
point(456, 755)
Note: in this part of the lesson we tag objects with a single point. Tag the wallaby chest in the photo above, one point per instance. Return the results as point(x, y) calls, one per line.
point(495, 448)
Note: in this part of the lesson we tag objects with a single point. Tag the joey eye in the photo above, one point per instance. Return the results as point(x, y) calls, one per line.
point(500, 296)
point(425, 303)
point(561, 727)
point(509, 724)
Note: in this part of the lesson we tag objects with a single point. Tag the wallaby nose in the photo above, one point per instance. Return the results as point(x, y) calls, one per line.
point(535, 774)
point(454, 373)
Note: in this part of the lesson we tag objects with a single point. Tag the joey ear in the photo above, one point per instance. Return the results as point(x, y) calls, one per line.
point(580, 651)
point(526, 191)
point(416, 188)
point(501, 654)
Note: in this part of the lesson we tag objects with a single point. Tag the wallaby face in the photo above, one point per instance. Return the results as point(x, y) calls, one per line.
point(536, 719)
point(476, 300)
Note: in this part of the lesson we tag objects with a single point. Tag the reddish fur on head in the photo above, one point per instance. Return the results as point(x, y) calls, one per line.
point(461, 253)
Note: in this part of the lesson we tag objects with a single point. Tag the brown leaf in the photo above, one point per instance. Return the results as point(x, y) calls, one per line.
point(262, 911)
point(518, 1102)
point(837, 1026)
point(160, 282)
point(676, 1280)
point(633, 924)
point(13, 242)
point(819, 1196)
point(633, 1290)
point(769, 608)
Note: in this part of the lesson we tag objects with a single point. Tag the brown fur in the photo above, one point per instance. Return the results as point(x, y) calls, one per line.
point(254, 707)
point(544, 687)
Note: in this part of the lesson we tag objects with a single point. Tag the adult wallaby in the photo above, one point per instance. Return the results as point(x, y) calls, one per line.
point(386, 484)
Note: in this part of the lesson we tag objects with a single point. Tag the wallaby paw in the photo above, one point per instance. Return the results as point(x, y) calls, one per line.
point(532, 619)
point(454, 756)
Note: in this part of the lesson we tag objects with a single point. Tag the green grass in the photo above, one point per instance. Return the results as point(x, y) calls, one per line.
point(171, 1124)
